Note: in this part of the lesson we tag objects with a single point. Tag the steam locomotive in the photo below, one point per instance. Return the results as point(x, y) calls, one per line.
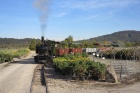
point(44, 51)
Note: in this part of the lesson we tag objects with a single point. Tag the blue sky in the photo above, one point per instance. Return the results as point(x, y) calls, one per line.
point(83, 19)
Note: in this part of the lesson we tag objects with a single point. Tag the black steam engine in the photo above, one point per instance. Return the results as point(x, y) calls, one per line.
point(44, 51)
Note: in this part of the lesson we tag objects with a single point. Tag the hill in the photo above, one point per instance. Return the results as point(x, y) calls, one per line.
point(124, 36)
point(14, 43)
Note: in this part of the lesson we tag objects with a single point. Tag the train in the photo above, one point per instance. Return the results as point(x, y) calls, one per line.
point(48, 49)
point(43, 52)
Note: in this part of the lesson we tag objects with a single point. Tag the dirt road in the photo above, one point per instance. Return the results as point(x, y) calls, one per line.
point(17, 77)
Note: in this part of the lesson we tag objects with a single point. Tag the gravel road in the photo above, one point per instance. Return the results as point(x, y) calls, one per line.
point(17, 77)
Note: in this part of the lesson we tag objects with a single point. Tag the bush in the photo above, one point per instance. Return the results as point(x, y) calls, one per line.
point(32, 45)
point(63, 68)
point(7, 55)
point(84, 54)
point(78, 66)
point(96, 68)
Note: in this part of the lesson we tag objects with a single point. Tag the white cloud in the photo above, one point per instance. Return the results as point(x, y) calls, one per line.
point(94, 8)
point(94, 4)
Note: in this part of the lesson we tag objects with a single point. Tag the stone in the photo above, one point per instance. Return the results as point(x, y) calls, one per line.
point(111, 75)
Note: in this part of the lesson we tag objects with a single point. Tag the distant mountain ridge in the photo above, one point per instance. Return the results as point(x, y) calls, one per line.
point(125, 36)
point(13, 42)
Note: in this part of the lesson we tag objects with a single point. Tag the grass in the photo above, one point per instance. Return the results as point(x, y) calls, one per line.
point(9, 54)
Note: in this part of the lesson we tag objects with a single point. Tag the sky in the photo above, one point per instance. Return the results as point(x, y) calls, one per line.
point(83, 19)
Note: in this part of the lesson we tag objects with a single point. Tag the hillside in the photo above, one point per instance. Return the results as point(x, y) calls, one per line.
point(12, 42)
point(125, 36)
point(121, 36)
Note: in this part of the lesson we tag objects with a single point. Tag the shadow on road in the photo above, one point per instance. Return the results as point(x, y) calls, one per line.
point(24, 61)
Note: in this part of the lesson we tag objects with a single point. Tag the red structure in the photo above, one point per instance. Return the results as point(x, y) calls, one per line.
point(61, 51)
point(71, 50)
point(79, 50)
point(66, 51)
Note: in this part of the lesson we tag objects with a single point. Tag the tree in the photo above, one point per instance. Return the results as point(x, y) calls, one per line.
point(32, 45)
point(38, 42)
point(84, 44)
point(68, 41)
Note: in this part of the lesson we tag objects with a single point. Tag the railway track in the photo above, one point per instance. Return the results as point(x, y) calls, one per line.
point(38, 82)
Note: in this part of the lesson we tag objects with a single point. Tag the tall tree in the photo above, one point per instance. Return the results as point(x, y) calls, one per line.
point(32, 45)
point(68, 41)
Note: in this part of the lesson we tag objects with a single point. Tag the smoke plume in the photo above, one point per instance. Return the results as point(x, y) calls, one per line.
point(42, 6)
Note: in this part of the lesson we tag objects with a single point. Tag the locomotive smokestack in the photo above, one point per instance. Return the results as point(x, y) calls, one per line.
point(42, 39)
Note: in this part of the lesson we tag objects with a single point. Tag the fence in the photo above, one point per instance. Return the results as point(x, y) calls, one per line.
point(127, 64)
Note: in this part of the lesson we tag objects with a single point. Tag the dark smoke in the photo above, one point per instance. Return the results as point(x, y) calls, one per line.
point(42, 6)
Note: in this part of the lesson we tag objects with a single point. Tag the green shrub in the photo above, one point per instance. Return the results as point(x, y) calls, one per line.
point(7, 55)
point(96, 68)
point(84, 54)
point(78, 66)
point(63, 68)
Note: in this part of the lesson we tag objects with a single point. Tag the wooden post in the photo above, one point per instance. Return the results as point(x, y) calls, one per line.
point(121, 72)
